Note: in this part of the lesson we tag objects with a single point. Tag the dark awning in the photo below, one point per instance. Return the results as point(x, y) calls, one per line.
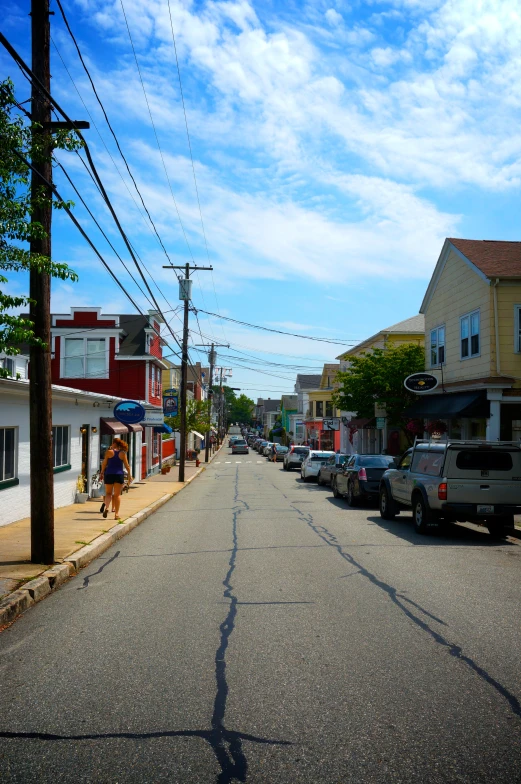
point(135, 428)
point(450, 406)
point(112, 427)
point(163, 429)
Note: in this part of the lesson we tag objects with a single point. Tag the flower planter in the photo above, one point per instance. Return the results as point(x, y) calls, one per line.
point(81, 498)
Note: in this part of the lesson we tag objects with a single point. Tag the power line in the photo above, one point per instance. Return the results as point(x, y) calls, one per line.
point(155, 132)
point(280, 331)
point(107, 121)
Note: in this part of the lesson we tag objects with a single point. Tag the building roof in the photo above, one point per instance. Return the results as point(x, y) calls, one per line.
point(495, 258)
point(271, 405)
point(308, 382)
point(411, 326)
point(289, 401)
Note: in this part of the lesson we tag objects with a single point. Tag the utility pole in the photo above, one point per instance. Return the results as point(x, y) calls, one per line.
point(211, 359)
point(220, 414)
point(185, 295)
point(40, 390)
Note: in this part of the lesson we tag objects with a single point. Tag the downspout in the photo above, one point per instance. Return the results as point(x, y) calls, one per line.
point(496, 325)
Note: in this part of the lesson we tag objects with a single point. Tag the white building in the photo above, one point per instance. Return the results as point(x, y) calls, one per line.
point(83, 427)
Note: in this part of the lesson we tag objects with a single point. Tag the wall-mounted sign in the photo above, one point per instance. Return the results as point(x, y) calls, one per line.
point(129, 412)
point(420, 382)
point(170, 405)
point(153, 418)
point(331, 424)
point(380, 423)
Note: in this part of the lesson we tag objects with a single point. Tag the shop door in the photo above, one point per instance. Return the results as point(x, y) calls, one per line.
point(85, 455)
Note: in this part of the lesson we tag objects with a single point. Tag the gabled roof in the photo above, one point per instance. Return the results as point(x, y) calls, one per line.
point(487, 258)
point(495, 258)
point(329, 370)
point(307, 381)
point(271, 405)
point(289, 402)
point(412, 326)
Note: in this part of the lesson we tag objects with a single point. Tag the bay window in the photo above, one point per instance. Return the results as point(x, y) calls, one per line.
point(84, 358)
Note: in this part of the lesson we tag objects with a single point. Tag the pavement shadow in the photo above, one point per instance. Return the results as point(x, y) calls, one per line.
point(463, 535)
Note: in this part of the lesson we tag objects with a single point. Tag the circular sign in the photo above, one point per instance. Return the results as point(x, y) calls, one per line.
point(129, 412)
point(420, 382)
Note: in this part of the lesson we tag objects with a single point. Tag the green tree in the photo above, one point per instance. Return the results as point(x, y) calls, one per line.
point(18, 143)
point(241, 410)
point(197, 414)
point(377, 377)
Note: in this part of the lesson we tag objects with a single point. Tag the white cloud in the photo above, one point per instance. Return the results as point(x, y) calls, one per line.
point(333, 17)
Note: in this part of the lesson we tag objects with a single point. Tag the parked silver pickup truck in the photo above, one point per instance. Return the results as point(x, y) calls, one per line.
point(455, 481)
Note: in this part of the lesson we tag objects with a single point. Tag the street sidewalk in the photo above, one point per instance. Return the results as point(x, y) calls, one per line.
point(78, 525)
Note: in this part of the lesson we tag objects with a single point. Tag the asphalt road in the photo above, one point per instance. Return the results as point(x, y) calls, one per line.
point(256, 630)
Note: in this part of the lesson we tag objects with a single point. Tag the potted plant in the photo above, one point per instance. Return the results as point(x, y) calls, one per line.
point(96, 485)
point(81, 495)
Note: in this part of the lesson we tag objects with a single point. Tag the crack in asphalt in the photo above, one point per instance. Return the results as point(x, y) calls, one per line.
point(87, 577)
point(395, 597)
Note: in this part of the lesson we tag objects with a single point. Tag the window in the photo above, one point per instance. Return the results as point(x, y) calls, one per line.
point(484, 461)
point(8, 468)
point(469, 332)
point(84, 358)
point(329, 408)
point(429, 463)
point(405, 462)
point(320, 408)
point(437, 346)
point(60, 446)
point(9, 364)
point(517, 329)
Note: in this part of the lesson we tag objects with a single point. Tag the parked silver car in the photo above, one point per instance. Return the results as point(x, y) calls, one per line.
point(465, 481)
point(295, 457)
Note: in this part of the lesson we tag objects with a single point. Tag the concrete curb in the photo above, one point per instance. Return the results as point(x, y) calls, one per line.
point(41, 586)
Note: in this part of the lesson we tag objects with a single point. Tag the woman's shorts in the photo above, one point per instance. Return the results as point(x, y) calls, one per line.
point(114, 479)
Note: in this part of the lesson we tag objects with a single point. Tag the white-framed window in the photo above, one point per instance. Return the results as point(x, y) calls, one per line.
point(470, 335)
point(85, 358)
point(517, 329)
point(60, 445)
point(8, 454)
point(9, 364)
point(438, 346)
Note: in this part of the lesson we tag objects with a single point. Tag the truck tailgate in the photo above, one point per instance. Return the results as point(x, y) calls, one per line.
point(483, 491)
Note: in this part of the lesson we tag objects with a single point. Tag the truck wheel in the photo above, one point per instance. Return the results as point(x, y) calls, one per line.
point(352, 500)
point(500, 528)
point(421, 514)
point(388, 509)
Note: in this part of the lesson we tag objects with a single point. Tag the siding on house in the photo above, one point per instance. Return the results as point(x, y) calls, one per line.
point(460, 291)
point(508, 297)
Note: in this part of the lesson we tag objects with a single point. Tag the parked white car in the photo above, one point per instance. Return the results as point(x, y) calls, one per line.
point(311, 465)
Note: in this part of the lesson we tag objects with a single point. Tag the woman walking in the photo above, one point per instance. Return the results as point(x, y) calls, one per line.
point(112, 471)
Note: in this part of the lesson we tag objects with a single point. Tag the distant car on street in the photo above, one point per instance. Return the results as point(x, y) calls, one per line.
point(360, 477)
point(331, 468)
point(282, 451)
point(240, 447)
point(267, 449)
point(232, 439)
point(294, 457)
point(312, 464)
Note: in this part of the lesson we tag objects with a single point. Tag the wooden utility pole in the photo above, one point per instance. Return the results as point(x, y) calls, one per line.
point(185, 294)
point(211, 359)
point(40, 390)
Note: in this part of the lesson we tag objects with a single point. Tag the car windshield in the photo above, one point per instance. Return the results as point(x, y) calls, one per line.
point(299, 450)
point(282, 449)
point(240, 442)
point(375, 461)
point(319, 458)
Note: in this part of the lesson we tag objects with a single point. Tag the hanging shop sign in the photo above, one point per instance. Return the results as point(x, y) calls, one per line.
point(170, 392)
point(420, 382)
point(170, 405)
point(130, 412)
point(331, 424)
point(153, 418)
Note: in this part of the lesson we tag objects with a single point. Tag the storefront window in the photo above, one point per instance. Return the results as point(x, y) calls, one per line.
point(456, 429)
point(478, 428)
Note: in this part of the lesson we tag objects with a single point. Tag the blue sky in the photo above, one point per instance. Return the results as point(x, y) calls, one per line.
point(336, 145)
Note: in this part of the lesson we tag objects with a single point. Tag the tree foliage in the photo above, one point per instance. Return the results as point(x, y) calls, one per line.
point(18, 143)
point(377, 377)
point(197, 417)
point(237, 409)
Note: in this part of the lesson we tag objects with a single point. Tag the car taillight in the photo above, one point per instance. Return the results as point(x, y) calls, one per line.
point(442, 491)
point(362, 474)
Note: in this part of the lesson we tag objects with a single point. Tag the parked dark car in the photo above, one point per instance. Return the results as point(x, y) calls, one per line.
point(331, 468)
point(360, 478)
point(282, 451)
